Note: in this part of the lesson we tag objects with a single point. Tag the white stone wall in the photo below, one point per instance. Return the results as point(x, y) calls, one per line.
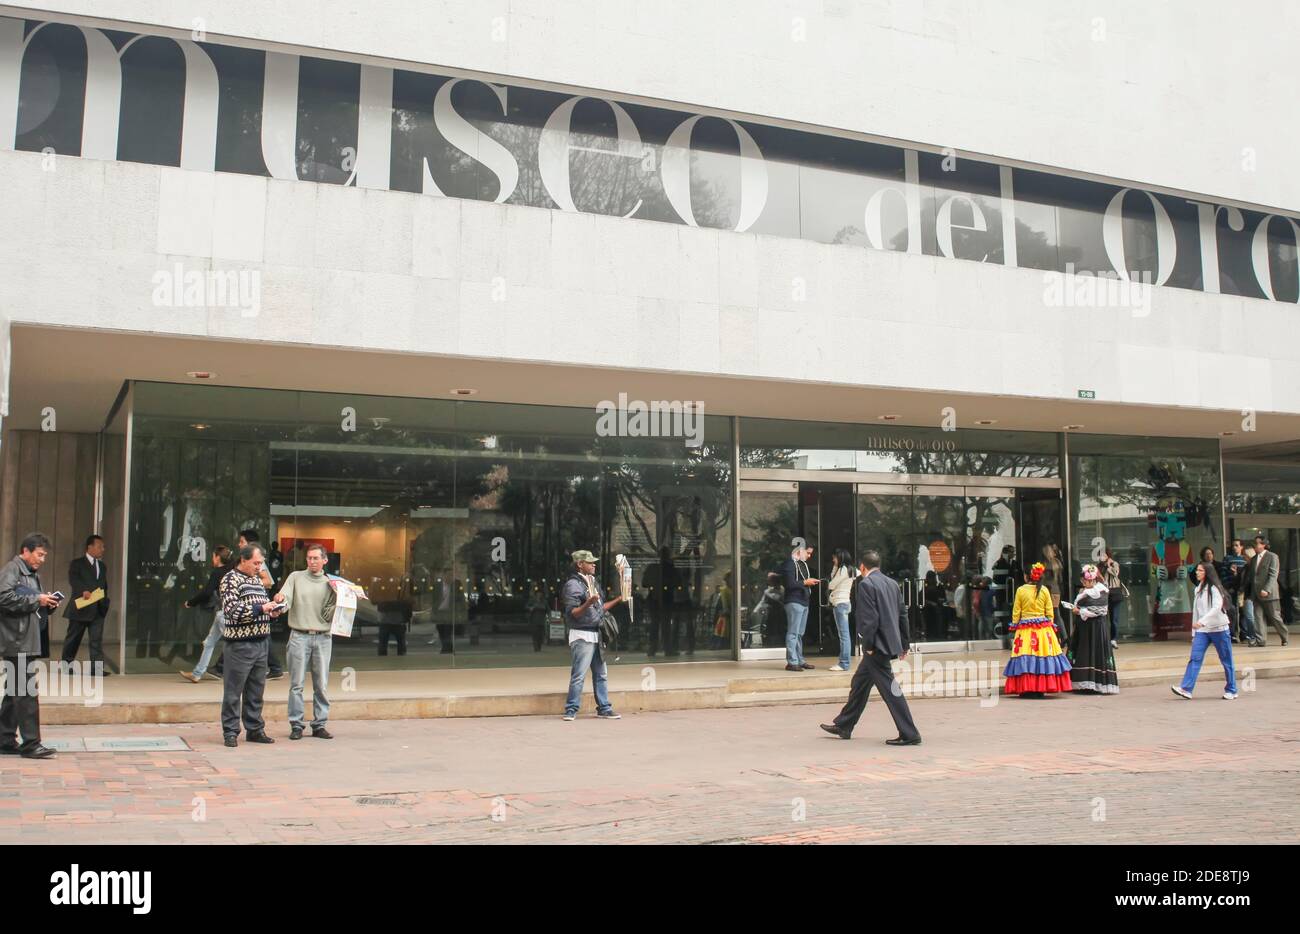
point(1190, 95)
point(390, 270)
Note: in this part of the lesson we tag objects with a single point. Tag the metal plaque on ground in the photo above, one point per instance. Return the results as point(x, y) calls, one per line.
point(135, 744)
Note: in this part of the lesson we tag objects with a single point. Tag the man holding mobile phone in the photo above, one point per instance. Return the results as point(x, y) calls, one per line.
point(22, 602)
point(798, 580)
point(247, 610)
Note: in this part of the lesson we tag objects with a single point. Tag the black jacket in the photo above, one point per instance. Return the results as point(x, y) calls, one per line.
point(20, 609)
point(81, 578)
point(796, 591)
point(205, 597)
point(880, 614)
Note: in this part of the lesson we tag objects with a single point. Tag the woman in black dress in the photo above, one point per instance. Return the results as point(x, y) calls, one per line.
point(1092, 657)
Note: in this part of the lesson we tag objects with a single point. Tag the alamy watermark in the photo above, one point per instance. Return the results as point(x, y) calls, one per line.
point(1085, 289)
point(57, 679)
point(918, 677)
point(179, 287)
point(660, 419)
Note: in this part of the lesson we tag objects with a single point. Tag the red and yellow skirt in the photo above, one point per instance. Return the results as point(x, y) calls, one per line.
point(1038, 664)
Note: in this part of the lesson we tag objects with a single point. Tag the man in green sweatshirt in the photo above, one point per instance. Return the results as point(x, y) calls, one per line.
point(310, 643)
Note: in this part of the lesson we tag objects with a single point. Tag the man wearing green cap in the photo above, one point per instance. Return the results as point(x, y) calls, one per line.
point(583, 604)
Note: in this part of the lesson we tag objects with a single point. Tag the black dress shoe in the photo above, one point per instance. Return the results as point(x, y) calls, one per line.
point(9, 749)
point(232, 741)
point(37, 752)
point(832, 729)
point(296, 733)
point(319, 732)
point(793, 668)
point(900, 741)
point(259, 738)
point(806, 667)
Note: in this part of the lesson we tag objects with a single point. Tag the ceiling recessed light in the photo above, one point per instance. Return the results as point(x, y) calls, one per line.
point(1071, 427)
point(986, 421)
point(200, 374)
point(888, 418)
point(200, 426)
point(464, 392)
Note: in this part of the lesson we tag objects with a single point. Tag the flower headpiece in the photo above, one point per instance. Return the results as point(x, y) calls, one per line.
point(1090, 572)
point(1036, 571)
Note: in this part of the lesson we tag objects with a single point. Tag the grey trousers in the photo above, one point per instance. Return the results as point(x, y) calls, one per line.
point(245, 679)
point(874, 671)
point(1269, 612)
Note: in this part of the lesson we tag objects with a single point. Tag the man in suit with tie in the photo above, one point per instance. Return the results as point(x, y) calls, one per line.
point(1261, 579)
point(881, 620)
point(86, 575)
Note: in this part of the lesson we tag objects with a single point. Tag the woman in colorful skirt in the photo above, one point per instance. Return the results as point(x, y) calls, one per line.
point(1092, 658)
point(1038, 665)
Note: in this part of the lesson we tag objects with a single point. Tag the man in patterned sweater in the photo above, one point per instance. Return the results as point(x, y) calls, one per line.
point(247, 632)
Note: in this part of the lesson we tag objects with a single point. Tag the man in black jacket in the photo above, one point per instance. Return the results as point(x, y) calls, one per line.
point(881, 619)
point(86, 575)
point(21, 604)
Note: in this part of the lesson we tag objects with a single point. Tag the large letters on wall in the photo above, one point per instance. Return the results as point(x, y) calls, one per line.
point(205, 106)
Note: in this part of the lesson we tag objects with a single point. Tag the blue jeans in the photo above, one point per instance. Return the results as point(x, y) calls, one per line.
point(842, 624)
point(209, 645)
point(1201, 641)
point(309, 649)
point(796, 620)
point(587, 655)
point(1247, 614)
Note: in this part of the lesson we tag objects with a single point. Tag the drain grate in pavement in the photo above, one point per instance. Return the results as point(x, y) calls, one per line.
point(375, 801)
point(119, 744)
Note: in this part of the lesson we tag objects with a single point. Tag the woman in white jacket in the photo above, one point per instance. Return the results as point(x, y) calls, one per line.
point(1210, 625)
point(841, 588)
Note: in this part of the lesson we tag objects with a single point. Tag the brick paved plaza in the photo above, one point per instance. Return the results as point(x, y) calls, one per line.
point(1137, 768)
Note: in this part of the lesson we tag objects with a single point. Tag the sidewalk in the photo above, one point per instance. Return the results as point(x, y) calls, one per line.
point(389, 695)
point(1140, 767)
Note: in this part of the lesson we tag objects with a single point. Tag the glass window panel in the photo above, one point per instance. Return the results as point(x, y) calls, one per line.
point(1155, 503)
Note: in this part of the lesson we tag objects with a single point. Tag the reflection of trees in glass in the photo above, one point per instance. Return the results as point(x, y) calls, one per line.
point(1285, 503)
point(1142, 484)
point(766, 535)
point(681, 503)
point(328, 111)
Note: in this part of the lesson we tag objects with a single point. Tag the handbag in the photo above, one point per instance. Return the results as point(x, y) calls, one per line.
point(608, 630)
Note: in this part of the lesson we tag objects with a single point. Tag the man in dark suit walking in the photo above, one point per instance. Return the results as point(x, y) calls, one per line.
point(881, 620)
point(86, 575)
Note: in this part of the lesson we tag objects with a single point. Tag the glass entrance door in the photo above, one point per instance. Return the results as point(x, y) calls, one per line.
point(955, 550)
point(955, 553)
point(777, 515)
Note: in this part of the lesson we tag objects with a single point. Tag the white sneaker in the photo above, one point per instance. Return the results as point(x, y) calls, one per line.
point(836, 668)
point(1177, 689)
point(1229, 695)
point(569, 716)
point(1114, 644)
